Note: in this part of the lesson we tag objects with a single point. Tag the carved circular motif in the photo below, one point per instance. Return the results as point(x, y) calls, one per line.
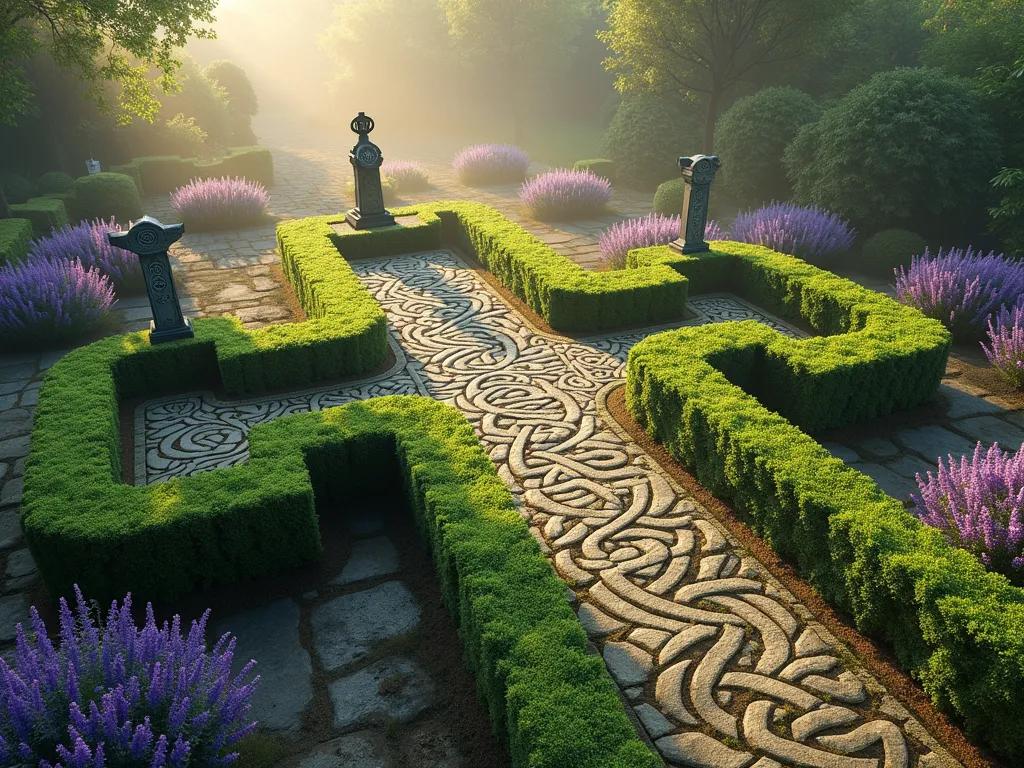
point(368, 155)
point(147, 236)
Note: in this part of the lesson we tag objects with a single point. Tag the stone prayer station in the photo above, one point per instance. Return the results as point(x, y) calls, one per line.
point(149, 240)
point(698, 173)
point(366, 159)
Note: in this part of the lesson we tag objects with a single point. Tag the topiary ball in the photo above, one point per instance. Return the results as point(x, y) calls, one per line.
point(53, 182)
point(668, 200)
point(752, 136)
point(108, 195)
point(888, 250)
point(647, 137)
point(17, 189)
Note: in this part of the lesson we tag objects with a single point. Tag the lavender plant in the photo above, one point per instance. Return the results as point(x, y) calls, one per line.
point(223, 203)
point(807, 233)
point(1006, 344)
point(961, 288)
point(115, 696)
point(483, 164)
point(86, 242)
point(978, 504)
point(566, 194)
point(405, 175)
point(45, 301)
point(653, 229)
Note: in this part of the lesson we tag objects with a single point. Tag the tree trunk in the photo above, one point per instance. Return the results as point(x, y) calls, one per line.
point(5, 210)
point(712, 117)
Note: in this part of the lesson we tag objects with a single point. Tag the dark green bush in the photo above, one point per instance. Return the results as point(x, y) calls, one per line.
point(45, 213)
point(102, 195)
point(17, 189)
point(912, 148)
point(254, 163)
point(241, 99)
point(600, 167)
point(130, 169)
point(751, 138)
point(668, 200)
point(164, 173)
point(885, 251)
point(55, 181)
point(15, 239)
point(70, 200)
point(730, 402)
point(647, 137)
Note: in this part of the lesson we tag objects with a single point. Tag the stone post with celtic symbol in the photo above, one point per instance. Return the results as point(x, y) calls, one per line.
point(698, 173)
point(149, 240)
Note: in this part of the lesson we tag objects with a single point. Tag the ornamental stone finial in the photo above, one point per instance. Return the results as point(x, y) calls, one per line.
point(698, 173)
point(149, 240)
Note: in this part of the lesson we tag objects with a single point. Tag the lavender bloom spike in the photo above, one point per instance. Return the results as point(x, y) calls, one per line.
point(87, 244)
point(1006, 344)
point(483, 164)
point(566, 194)
point(220, 203)
point(807, 233)
point(405, 175)
point(125, 696)
point(653, 229)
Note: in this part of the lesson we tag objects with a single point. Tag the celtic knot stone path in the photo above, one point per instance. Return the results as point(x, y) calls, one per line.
point(720, 663)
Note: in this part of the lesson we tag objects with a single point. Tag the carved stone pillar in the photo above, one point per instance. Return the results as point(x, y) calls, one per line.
point(366, 160)
point(698, 173)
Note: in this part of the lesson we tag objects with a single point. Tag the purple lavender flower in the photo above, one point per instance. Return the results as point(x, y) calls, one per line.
point(653, 229)
point(117, 695)
point(483, 164)
point(405, 175)
point(961, 288)
point(978, 504)
point(1006, 344)
point(807, 233)
point(45, 301)
point(223, 203)
point(87, 243)
point(566, 194)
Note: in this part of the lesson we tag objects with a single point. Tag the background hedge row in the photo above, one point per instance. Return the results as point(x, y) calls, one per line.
point(15, 239)
point(164, 173)
point(731, 401)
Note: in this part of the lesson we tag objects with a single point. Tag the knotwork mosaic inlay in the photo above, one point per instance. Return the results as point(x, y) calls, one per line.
point(723, 667)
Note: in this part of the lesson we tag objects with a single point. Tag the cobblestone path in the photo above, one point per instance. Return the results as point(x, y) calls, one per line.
point(721, 665)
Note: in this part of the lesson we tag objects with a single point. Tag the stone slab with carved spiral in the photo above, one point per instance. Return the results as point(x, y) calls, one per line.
point(721, 665)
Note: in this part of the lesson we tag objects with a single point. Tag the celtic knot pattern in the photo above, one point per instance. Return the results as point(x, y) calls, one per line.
point(719, 662)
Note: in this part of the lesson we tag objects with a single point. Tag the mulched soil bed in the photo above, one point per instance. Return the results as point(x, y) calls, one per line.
point(874, 656)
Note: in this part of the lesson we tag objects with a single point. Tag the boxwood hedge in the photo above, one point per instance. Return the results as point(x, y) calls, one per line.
point(44, 213)
point(15, 240)
point(732, 403)
point(158, 174)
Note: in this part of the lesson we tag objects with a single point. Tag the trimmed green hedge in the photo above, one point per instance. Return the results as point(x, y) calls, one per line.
point(102, 195)
point(599, 166)
point(44, 213)
point(719, 398)
point(254, 163)
point(15, 239)
point(158, 174)
point(70, 200)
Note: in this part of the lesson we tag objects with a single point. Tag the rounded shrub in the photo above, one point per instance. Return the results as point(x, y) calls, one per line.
point(888, 250)
point(566, 194)
point(668, 200)
point(108, 195)
point(405, 175)
point(17, 189)
point(653, 229)
point(647, 137)
point(86, 242)
point(45, 302)
point(752, 136)
point(115, 695)
point(54, 182)
point(483, 164)
point(961, 288)
point(807, 233)
point(225, 203)
point(911, 148)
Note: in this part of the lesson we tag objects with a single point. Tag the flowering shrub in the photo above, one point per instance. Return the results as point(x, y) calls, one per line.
point(653, 229)
point(979, 505)
point(807, 233)
point(483, 164)
point(222, 203)
point(86, 242)
point(47, 301)
point(961, 288)
point(566, 194)
point(119, 696)
point(405, 175)
point(1006, 340)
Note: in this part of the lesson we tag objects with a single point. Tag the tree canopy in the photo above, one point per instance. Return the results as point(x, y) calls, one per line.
point(101, 42)
point(701, 49)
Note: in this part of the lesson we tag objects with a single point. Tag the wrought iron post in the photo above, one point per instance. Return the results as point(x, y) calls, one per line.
point(366, 160)
point(698, 173)
point(149, 240)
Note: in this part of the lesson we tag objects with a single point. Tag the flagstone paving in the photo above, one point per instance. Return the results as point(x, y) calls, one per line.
point(731, 669)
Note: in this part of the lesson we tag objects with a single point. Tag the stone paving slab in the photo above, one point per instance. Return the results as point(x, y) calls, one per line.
point(392, 689)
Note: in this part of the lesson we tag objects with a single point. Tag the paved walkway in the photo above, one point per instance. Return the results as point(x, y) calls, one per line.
point(236, 273)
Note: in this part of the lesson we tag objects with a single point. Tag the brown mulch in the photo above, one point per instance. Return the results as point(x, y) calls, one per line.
point(876, 658)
